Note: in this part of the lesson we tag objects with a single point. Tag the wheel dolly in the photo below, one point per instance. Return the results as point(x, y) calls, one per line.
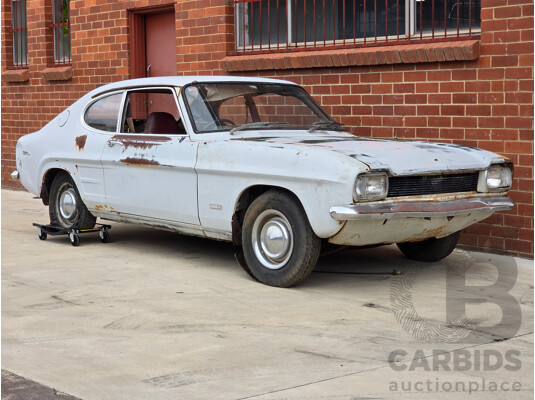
point(74, 233)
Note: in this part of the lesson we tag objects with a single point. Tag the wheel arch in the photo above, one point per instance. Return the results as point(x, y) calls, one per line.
point(245, 199)
point(48, 178)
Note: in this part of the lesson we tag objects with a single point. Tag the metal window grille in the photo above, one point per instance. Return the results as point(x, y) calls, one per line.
point(293, 25)
point(19, 31)
point(61, 27)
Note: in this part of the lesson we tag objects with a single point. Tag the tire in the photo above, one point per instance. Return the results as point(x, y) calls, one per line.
point(66, 207)
point(431, 249)
point(291, 257)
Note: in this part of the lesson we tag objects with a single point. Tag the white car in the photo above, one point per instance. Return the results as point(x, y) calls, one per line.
point(256, 162)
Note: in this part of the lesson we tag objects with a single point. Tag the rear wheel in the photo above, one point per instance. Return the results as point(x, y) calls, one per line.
point(66, 208)
point(431, 249)
point(279, 246)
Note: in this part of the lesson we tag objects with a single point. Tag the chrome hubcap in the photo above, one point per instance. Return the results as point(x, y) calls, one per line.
point(272, 239)
point(67, 204)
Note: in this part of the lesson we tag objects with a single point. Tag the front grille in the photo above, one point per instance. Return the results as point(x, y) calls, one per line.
point(432, 184)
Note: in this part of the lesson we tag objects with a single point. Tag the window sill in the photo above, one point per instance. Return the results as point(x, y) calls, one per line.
point(400, 54)
point(16, 75)
point(57, 73)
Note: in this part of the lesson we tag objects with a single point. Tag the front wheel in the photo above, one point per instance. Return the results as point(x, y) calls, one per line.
point(279, 246)
point(431, 249)
point(66, 208)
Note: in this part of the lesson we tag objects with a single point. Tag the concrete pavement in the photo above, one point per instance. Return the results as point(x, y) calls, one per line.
point(157, 315)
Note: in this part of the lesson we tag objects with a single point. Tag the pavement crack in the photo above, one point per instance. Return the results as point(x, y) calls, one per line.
point(370, 369)
point(316, 354)
point(55, 297)
point(312, 383)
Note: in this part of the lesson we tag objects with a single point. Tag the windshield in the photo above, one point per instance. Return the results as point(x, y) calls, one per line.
point(215, 107)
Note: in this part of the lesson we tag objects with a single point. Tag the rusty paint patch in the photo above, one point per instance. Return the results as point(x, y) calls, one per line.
point(427, 233)
point(141, 141)
point(100, 207)
point(139, 161)
point(80, 142)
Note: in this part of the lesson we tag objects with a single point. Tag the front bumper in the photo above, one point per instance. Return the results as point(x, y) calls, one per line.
point(420, 209)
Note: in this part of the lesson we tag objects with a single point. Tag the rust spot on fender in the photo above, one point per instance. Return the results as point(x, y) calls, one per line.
point(100, 207)
point(141, 141)
point(80, 142)
point(139, 161)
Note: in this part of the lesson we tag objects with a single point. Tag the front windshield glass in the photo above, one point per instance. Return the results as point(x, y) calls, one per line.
point(215, 107)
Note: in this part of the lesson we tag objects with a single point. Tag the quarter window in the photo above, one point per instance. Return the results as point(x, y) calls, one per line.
point(19, 32)
point(103, 114)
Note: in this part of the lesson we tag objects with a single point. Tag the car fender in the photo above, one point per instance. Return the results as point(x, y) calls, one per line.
point(319, 178)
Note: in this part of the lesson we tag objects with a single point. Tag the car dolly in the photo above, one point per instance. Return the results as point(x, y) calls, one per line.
point(74, 233)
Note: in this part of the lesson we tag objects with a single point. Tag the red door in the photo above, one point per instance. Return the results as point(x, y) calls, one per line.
point(160, 44)
point(153, 48)
point(160, 53)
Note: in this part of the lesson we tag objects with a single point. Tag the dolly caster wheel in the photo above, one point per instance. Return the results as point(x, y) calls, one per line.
point(74, 238)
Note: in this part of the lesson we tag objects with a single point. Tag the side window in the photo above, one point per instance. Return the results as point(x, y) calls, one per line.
point(152, 111)
point(104, 113)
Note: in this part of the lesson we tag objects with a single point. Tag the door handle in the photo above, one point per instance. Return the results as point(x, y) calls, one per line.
point(113, 142)
point(148, 69)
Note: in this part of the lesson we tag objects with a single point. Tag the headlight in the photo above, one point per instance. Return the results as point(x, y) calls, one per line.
point(498, 178)
point(371, 187)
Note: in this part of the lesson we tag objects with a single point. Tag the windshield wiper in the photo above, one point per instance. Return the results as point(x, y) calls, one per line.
point(325, 124)
point(252, 125)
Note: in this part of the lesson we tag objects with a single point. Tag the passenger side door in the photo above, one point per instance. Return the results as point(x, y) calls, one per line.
point(149, 165)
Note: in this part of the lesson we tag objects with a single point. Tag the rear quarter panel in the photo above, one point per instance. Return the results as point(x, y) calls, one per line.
point(63, 144)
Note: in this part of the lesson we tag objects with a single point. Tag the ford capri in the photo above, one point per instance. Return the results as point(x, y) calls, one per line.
point(256, 162)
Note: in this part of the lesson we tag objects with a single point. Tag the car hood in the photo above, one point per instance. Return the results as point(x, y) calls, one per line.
point(398, 157)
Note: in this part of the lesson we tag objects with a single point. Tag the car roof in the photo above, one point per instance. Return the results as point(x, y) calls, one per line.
point(179, 81)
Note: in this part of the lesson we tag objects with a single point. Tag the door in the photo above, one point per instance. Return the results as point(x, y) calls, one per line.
point(160, 39)
point(149, 166)
point(153, 48)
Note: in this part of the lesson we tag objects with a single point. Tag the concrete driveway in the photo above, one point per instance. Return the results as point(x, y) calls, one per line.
point(157, 315)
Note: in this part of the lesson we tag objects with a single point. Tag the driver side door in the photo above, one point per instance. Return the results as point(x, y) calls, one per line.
point(149, 164)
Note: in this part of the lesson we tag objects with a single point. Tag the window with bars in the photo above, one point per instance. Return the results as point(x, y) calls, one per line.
point(282, 25)
point(19, 31)
point(61, 27)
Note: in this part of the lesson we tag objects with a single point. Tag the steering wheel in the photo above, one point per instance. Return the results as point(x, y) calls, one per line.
point(227, 122)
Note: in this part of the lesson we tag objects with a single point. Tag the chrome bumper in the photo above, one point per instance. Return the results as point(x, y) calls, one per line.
point(420, 209)
point(15, 176)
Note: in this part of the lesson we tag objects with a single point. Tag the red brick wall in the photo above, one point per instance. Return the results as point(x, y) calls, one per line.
point(486, 102)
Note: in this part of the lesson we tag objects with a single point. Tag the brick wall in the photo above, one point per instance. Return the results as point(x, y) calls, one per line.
point(483, 100)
